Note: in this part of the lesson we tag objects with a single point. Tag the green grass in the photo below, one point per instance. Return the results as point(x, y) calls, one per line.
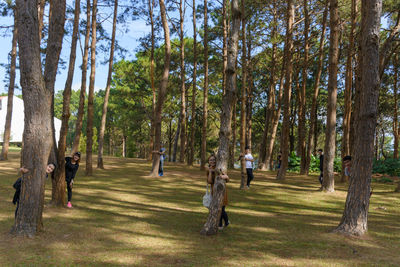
point(122, 217)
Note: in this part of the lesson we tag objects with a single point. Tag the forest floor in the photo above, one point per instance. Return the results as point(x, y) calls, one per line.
point(122, 217)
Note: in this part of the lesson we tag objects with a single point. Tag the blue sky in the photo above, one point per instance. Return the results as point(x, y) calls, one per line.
point(129, 41)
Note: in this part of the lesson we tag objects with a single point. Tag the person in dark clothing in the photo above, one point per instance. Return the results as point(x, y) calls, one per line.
point(18, 183)
point(71, 167)
point(321, 166)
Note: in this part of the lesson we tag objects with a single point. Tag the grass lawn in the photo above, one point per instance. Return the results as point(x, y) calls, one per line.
point(122, 217)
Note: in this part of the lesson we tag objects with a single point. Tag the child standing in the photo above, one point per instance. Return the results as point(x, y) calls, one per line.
point(249, 166)
point(71, 167)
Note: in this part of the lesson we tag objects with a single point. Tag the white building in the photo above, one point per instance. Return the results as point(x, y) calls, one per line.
point(17, 120)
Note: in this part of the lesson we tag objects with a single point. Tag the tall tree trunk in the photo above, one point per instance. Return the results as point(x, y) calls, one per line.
point(232, 148)
point(162, 91)
point(275, 120)
point(313, 113)
point(330, 133)
point(194, 91)
point(243, 100)
point(348, 88)
point(355, 215)
point(183, 89)
point(153, 87)
point(41, 6)
point(53, 50)
point(176, 140)
point(7, 127)
point(274, 113)
point(302, 94)
point(58, 183)
point(205, 95)
point(37, 126)
point(100, 163)
point(250, 87)
point(82, 95)
point(224, 45)
point(210, 227)
point(90, 107)
point(396, 114)
point(124, 146)
point(262, 165)
point(287, 91)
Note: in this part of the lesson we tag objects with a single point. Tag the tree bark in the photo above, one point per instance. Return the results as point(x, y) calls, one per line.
point(243, 100)
point(313, 113)
point(211, 226)
point(183, 89)
point(90, 107)
point(41, 6)
point(58, 183)
point(153, 87)
point(205, 93)
point(82, 95)
point(100, 163)
point(395, 115)
point(37, 126)
point(302, 94)
point(263, 165)
point(330, 133)
point(355, 215)
point(194, 90)
point(287, 90)
point(7, 126)
point(348, 88)
point(162, 91)
point(53, 50)
point(176, 140)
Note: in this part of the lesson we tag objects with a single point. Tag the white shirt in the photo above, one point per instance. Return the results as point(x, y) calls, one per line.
point(249, 164)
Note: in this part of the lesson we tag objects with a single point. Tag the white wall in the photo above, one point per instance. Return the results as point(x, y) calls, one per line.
point(17, 120)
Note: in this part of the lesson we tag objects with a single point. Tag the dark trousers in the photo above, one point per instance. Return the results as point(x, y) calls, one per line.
point(161, 168)
point(250, 176)
point(321, 178)
point(224, 216)
point(69, 188)
point(16, 210)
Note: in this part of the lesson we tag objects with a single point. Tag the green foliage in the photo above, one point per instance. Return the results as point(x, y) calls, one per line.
point(389, 166)
point(294, 163)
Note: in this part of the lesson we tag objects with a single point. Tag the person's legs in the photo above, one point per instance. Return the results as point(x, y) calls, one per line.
point(16, 209)
point(161, 168)
point(69, 188)
point(224, 216)
point(320, 178)
point(250, 176)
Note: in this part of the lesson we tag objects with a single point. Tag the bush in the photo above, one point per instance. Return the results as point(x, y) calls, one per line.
point(294, 163)
point(389, 166)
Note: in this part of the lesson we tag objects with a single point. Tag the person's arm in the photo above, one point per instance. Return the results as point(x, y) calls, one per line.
point(224, 177)
point(249, 158)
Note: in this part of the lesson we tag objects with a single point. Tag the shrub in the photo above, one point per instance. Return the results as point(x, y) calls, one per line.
point(389, 166)
point(294, 163)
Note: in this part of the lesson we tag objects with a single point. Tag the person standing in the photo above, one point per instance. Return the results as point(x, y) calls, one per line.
point(71, 167)
point(249, 165)
point(162, 159)
point(321, 166)
point(212, 163)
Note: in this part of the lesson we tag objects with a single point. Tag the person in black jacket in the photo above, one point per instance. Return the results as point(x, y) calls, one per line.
point(17, 185)
point(321, 166)
point(71, 167)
